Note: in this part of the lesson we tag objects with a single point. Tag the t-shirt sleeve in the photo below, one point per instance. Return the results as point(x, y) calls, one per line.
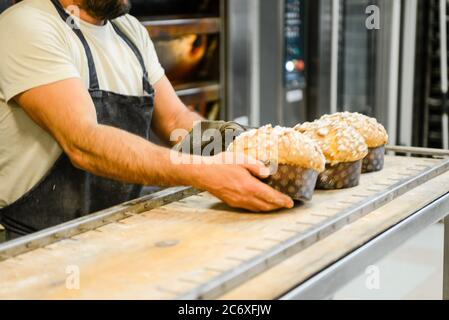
point(155, 69)
point(32, 54)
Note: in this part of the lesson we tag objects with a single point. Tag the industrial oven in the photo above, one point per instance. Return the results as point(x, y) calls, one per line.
point(267, 60)
point(189, 38)
point(231, 59)
point(394, 70)
point(293, 60)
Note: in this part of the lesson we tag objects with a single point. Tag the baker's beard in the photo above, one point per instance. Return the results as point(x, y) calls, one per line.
point(106, 9)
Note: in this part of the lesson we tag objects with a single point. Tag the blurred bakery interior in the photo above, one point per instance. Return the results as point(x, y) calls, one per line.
point(284, 62)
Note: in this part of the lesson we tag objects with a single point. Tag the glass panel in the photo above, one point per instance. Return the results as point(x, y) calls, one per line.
point(356, 85)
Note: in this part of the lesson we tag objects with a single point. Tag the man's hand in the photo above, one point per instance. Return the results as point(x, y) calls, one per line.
point(238, 185)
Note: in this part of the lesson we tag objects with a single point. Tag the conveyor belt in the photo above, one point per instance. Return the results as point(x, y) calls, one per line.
point(191, 248)
point(383, 193)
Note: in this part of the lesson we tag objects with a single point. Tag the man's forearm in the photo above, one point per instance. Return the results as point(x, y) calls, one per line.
point(186, 120)
point(119, 155)
point(183, 120)
point(170, 112)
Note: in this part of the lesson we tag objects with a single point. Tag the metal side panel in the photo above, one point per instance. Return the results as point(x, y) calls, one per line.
point(242, 61)
point(446, 260)
point(319, 51)
point(271, 53)
point(327, 282)
point(408, 56)
point(387, 75)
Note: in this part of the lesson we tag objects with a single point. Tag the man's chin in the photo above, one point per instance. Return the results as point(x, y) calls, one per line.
point(107, 9)
point(125, 9)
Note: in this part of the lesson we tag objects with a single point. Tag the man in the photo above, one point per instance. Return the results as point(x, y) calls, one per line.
point(77, 98)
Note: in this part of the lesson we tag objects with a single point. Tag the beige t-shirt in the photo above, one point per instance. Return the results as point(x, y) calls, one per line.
point(36, 48)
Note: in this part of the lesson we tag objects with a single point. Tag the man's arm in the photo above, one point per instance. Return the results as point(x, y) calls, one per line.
point(66, 111)
point(170, 113)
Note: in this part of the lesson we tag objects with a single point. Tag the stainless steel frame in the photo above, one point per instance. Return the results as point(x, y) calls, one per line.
point(408, 56)
point(436, 153)
point(446, 260)
point(167, 29)
point(319, 58)
point(223, 90)
point(334, 55)
point(192, 93)
point(243, 61)
point(444, 67)
point(387, 77)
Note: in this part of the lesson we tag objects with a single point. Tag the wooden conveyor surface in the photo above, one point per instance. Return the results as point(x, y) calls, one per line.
point(169, 252)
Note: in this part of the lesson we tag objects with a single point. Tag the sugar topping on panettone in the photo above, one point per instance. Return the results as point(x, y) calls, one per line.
point(338, 141)
point(371, 130)
point(282, 145)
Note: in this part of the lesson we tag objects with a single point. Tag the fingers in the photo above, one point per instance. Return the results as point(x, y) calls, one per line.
point(256, 168)
point(266, 193)
point(256, 205)
point(263, 191)
point(241, 187)
point(259, 197)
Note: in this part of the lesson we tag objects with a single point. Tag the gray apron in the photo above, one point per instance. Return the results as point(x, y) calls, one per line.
point(67, 193)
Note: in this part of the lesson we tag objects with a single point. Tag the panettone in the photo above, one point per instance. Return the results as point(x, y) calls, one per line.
point(370, 129)
point(281, 145)
point(338, 142)
point(298, 159)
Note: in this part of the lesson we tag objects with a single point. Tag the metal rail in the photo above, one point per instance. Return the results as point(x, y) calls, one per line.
point(251, 268)
point(167, 29)
point(194, 93)
point(418, 151)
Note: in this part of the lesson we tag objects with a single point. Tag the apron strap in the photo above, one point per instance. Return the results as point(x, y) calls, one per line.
point(146, 84)
point(93, 78)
